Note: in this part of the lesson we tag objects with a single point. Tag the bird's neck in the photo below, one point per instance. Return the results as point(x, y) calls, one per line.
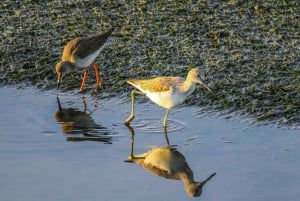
point(188, 87)
point(187, 179)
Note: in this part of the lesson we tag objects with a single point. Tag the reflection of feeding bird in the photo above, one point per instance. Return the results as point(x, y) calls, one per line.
point(169, 163)
point(166, 91)
point(74, 121)
point(80, 53)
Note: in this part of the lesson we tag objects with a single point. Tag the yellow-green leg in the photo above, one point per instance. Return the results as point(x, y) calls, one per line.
point(131, 117)
point(131, 157)
point(166, 118)
point(166, 136)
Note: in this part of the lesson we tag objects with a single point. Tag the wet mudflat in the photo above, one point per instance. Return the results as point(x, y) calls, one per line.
point(72, 147)
point(248, 50)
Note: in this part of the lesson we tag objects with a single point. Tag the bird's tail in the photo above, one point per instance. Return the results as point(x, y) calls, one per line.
point(112, 40)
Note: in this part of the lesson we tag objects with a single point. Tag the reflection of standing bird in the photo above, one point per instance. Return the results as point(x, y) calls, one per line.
point(80, 53)
point(73, 121)
point(169, 163)
point(166, 91)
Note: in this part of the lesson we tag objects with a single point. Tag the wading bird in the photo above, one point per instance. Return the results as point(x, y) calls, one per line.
point(167, 92)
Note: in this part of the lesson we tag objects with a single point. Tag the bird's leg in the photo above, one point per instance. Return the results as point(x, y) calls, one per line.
point(85, 74)
point(132, 141)
point(165, 119)
point(98, 79)
point(131, 157)
point(131, 117)
point(166, 136)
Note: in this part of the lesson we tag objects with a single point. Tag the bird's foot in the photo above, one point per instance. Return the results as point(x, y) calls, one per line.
point(129, 119)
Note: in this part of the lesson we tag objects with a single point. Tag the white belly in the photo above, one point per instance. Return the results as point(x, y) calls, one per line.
point(167, 99)
point(88, 60)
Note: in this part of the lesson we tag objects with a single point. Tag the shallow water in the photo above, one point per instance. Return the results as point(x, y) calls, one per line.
point(76, 151)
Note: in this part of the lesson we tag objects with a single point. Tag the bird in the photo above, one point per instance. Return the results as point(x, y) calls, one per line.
point(168, 162)
point(80, 53)
point(166, 92)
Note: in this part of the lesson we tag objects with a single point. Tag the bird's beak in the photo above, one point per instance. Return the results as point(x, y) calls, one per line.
point(59, 79)
point(200, 81)
point(58, 103)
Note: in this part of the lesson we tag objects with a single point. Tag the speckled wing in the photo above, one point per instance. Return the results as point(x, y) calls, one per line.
point(159, 172)
point(159, 84)
point(165, 162)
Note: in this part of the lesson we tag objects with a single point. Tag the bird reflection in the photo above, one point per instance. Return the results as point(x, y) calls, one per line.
point(76, 122)
point(169, 163)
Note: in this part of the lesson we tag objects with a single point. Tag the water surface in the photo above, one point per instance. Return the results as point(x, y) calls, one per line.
point(73, 148)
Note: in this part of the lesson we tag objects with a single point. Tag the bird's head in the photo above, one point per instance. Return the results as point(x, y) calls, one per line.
point(62, 68)
point(194, 76)
point(194, 189)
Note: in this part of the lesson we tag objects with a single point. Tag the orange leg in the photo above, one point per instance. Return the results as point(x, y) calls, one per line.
point(85, 74)
point(98, 79)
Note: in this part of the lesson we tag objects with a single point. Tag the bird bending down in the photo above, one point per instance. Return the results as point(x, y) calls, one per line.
point(166, 91)
point(80, 53)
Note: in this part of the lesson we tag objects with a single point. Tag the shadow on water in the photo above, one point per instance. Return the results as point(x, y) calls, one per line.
point(169, 163)
point(80, 125)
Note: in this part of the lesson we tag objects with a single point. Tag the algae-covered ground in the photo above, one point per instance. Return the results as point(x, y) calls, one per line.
point(248, 50)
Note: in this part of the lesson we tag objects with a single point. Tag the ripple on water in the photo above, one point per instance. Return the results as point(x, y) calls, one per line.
point(154, 125)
